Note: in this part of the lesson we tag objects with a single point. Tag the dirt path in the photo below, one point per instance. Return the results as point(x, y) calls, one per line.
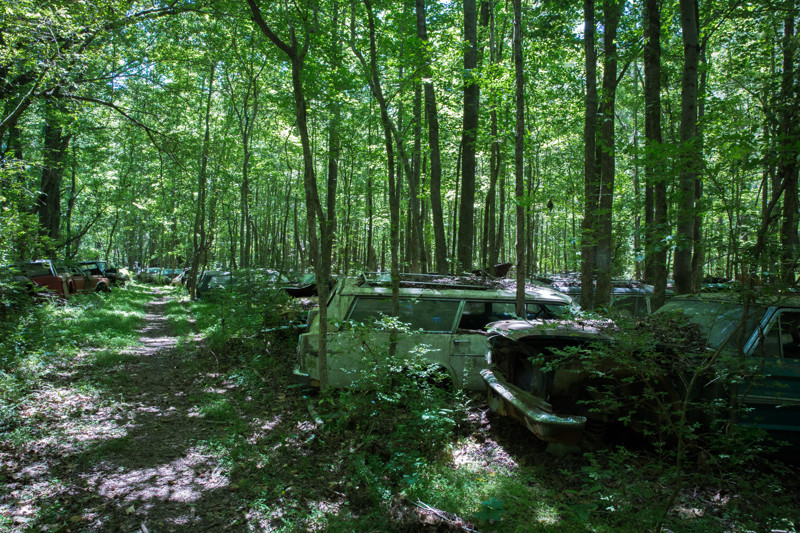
point(129, 456)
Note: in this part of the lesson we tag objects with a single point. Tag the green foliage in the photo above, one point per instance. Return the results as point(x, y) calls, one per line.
point(403, 410)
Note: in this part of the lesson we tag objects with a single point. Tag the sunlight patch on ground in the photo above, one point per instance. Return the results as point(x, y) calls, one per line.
point(183, 480)
point(75, 418)
point(479, 455)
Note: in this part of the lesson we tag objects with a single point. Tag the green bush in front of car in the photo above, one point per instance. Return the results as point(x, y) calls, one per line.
point(402, 409)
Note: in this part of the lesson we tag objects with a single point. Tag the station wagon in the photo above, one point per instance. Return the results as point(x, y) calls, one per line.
point(446, 317)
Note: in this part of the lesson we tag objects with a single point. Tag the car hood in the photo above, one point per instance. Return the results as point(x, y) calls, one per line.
point(556, 329)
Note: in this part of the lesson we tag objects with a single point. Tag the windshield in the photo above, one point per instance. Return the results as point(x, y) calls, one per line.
point(718, 320)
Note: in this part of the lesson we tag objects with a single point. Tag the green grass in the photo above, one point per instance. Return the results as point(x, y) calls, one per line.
point(373, 457)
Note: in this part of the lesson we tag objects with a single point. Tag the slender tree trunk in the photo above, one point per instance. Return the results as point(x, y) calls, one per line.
point(199, 234)
point(314, 212)
point(788, 152)
point(394, 201)
point(439, 239)
point(611, 14)
point(519, 159)
point(591, 187)
point(689, 156)
point(469, 137)
point(656, 225)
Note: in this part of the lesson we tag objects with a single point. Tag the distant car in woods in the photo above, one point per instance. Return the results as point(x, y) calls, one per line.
point(106, 270)
point(85, 281)
point(303, 285)
point(249, 279)
point(148, 275)
point(447, 316)
point(628, 297)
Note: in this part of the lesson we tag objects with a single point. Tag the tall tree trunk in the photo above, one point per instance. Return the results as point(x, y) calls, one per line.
point(199, 236)
point(55, 147)
point(469, 137)
point(611, 14)
point(656, 225)
point(296, 54)
point(698, 251)
point(416, 241)
point(788, 152)
point(519, 159)
point(591, 187)
point(439, 240)
point(689, 156)
point(394, 200)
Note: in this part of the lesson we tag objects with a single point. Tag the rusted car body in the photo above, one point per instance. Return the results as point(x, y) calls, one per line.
point(44, 275)
point(105, 270)
point(444, 315)
point(522, 385)
point(84, 281)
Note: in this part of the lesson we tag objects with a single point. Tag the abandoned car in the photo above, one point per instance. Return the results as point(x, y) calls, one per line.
point(628, 297)
point(45, 278)
point(544, 375)
point(246, 279)
point(84, 281)
point(760, 345)
point(105, 270)
point(445, 319)
point(525, 385)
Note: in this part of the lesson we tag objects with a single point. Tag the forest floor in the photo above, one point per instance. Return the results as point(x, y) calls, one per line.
point(142, 443)
point(125, 456)
point(163, 435)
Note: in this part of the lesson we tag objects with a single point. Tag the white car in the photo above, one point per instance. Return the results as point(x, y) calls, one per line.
point(446, 318)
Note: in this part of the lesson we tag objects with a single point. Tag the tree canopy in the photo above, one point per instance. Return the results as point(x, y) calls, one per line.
point(256, 134)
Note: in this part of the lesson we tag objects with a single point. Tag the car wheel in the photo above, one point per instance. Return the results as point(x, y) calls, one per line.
point(102, 287)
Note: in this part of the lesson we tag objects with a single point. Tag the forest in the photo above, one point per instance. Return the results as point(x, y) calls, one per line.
point(655, 141)
point(652, 141)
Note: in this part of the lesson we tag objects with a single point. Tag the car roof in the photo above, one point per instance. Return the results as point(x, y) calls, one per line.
point(736, 297)
point(452, 287)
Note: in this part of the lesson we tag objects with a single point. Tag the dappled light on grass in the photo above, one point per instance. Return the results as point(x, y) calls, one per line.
point(184, 480)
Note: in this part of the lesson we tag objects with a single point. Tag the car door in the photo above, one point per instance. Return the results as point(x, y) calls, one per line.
point(773, 400)
point(430, 321)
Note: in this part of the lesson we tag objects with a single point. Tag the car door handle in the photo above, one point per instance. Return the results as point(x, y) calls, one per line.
point(461, 341)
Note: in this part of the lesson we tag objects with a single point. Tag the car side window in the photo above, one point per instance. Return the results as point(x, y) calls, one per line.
point(783, 338)
point(478, 313)
point(426, 314)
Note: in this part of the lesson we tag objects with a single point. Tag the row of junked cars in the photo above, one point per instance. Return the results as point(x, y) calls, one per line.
point(47, 278)
point(539, 368)
point(249, 279)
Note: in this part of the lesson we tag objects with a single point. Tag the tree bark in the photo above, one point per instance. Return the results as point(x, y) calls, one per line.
point(296, 54)
point(431, 112)
point(591, 187)
point(689, 156)
point(48, 204)
point(787, 163)
point(199, 235)
point(519, 159)
point(469, 136)
point(611, 14)
point(657, 221)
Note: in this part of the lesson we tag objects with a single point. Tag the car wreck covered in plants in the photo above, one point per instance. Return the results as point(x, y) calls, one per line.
point(444, 320)
point(726, 361)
